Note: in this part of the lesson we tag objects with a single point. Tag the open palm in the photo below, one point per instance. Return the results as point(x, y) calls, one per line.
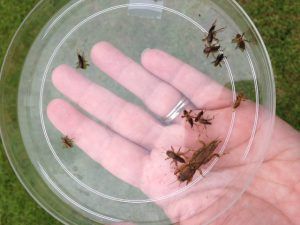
point(139, 140)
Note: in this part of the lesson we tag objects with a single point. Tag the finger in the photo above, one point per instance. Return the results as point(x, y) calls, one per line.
point(122, 223)
point(202, 91)
point(158, 96)
point(121, 116)
point(103, 146)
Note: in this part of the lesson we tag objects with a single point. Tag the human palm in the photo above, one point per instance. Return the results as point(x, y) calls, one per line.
point(139, 141)
point(274, 195)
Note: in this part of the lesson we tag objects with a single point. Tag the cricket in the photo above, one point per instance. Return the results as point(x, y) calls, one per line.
point(240, 41)
point(220, 58)
point(211, 36)
point(188, 116)
point(211, 49)
point(82, 62)
point(67, 142)
point(200, 157)
point(239, 98)
point(175, 156)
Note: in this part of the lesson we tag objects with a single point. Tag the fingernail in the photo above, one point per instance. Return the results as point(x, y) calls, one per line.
point(145, 50)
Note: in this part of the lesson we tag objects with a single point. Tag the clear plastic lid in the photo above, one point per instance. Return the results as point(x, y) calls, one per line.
point(124, 117)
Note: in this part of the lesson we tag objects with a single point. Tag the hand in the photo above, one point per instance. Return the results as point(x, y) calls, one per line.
point(160, 84)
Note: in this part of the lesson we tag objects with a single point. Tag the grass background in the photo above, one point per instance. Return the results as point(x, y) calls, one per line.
point(278, 22)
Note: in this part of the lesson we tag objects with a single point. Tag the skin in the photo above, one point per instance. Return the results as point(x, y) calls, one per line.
point(273, 197)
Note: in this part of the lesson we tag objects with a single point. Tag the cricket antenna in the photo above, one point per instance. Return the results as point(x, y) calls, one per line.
point(174, 182)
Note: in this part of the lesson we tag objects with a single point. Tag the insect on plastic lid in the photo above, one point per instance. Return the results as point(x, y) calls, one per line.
point(87, 121)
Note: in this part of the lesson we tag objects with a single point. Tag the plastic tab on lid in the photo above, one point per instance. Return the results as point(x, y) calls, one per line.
point(145, 9)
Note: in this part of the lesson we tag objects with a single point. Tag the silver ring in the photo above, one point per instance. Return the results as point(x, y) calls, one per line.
point(176, 110)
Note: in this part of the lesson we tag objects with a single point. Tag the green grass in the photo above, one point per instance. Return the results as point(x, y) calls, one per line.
point(16, 206)
point(280, 31)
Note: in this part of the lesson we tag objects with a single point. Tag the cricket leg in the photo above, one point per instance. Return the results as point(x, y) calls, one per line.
point(216, 39)
point(221, 29)
point(215, 155)
point(201, 173)
point(178, 152)
point(202, 142)
point(190, 150)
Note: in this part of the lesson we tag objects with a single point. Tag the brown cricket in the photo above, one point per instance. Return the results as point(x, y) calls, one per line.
point(219, 60)
point(189, 118)
point(175, 156)
point(240, 41)
point(211, 49)
point(82, 62)
point(239, 98)
point(211, 36)
point(67, 142)
point(200, 157)
point(205, 121)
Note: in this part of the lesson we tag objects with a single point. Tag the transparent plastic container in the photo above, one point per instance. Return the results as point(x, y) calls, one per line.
point(125, 110)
